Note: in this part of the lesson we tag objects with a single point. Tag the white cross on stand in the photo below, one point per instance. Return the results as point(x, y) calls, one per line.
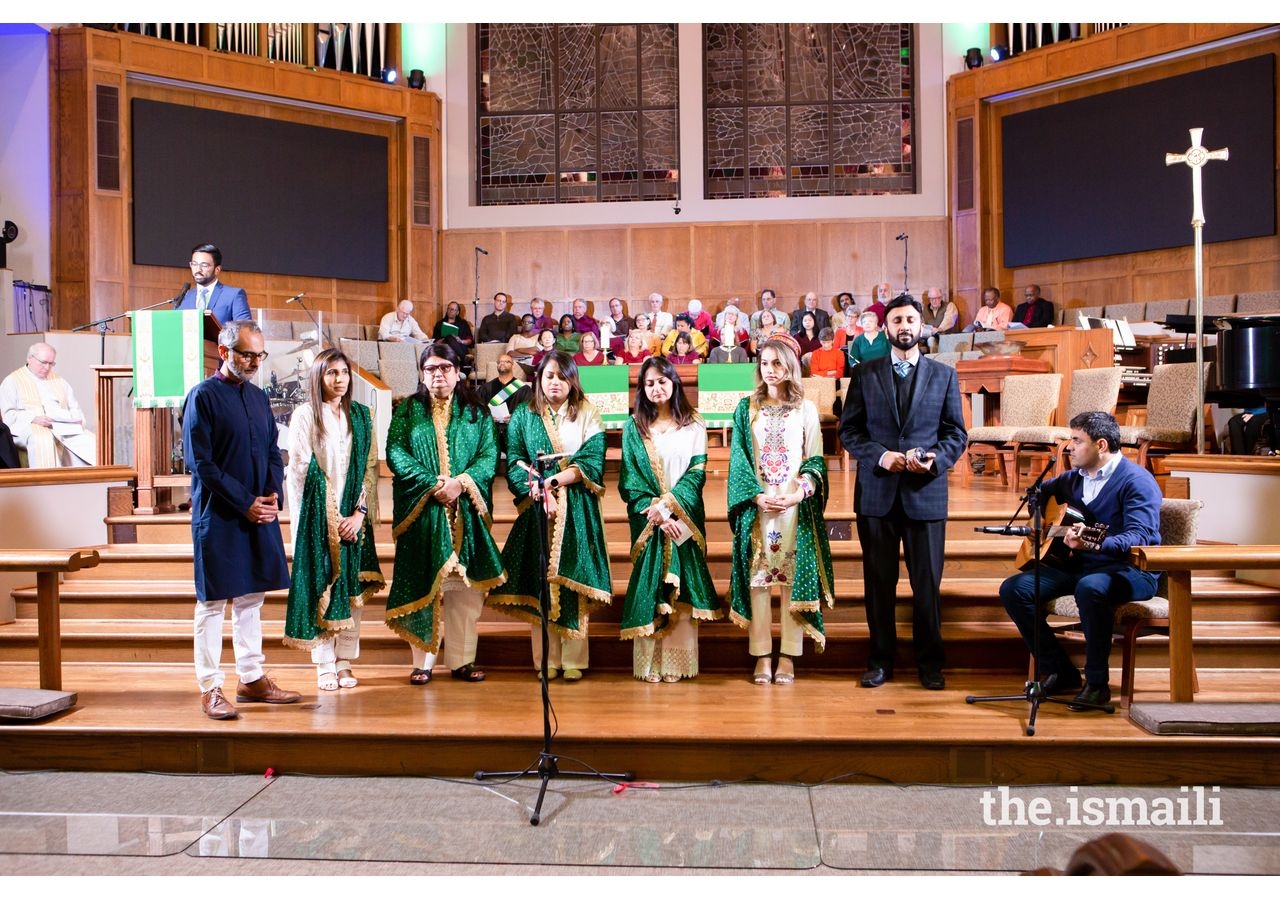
point(1195, 157)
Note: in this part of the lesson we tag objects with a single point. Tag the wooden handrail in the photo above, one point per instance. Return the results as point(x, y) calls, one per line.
point(47, 560)
point(47, 564)
point(1206, 556)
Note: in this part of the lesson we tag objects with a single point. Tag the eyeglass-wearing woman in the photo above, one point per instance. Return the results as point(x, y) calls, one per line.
point(664, 461)
point(777, 494)
point(332, 487)
point(442, 453)
point(558, 419)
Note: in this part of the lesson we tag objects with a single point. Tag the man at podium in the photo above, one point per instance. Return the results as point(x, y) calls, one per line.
point(227, 303)
point(41, 411)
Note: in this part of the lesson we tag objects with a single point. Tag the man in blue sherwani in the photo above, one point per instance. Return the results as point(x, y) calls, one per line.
point(237, 476)
point(903, 422)
point(227, 303)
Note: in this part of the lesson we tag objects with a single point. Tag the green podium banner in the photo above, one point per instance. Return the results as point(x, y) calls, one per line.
point(609, 389)
point(720, 387)
point(168, 356)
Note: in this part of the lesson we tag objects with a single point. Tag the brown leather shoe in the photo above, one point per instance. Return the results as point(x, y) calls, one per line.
point(216, 706)
point(264, 690)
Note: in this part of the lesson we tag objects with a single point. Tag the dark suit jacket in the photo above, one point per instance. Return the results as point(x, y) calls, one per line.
point(227, 303)
point(870, 425)
point(1041, 313)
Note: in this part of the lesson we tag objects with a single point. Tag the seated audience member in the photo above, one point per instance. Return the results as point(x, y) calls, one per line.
point(769, 326)
point(993, 315)
point(660, 321)
point(728, 353)
point(684, 325)
point(582, 323)
point(846, 311)
point(872, 343)
point(634, 350)
point(940, 316)
point(702, 321)
point(1034, 311)
point(399, 324)
point(682, 351)
point(541, 320)
point(499, 326)
point(615, 327)
point(1110, 490)
point(881, 294)
point(567, 338)
point(652, 343)
point(731, 327)
point(807, 334)
point(502, 395)
point(546, 343)
point(828, 360)
point(590, 354)
point(454, 331)
point(768, 303)
point(809, 304)
point(524, 343)
point(41, 411)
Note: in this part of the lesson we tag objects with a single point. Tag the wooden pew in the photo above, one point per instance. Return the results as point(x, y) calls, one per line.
point(48, 564)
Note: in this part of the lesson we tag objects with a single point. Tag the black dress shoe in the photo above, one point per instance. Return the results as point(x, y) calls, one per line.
point(876, 676)
point(932, 679)
point(1096, 694)
point(1069, 683)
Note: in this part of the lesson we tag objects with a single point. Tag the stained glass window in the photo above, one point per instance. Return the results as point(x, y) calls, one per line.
point(576, 113)
point(808, 110)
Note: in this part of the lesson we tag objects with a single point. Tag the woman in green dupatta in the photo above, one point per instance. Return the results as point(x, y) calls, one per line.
point(558, 419)
point(442, 452)
point(777, 492)
point(664, 463)
point(332, 483)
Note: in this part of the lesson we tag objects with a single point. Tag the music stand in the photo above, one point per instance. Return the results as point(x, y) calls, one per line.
point(548, 765)
point(1035, 691)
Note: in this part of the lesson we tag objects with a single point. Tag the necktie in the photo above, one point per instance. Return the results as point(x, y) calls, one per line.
point(203, 302)
point(902, 367)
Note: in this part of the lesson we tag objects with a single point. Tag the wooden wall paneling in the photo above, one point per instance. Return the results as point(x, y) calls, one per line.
point(724, 266)
point(175, 60)
point(788, 259)
point(535, 264)
point(1171, 284)
point(457, 268)
point(851, 257)
point(929, 255)
point(662, 261)
point(596, 259)
point(1245, 278)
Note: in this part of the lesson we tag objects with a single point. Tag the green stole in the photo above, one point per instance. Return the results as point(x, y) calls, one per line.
point(662, 572)
point(425, 442)
point(578, 572)
point(812, 583)
point(505, 393)
point(330, 577)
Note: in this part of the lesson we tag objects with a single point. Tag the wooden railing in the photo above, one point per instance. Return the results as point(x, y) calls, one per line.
point(48, 565)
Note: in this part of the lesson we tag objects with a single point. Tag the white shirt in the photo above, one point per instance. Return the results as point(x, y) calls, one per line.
point(208, 290)
point(1092, 485)
point(393, 327)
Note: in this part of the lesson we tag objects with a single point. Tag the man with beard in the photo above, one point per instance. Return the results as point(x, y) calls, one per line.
point(499, 325)
point(237, 476)
point(903, 422)
point(502, 395)
point(222, 300)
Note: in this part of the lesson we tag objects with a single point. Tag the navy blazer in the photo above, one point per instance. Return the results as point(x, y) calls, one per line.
point(227, 303)
point(870, 425)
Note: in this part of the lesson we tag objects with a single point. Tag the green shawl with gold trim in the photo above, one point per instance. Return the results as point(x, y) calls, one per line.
point(812, 584)
point(330, 577)
point(663, 572)
point(434, 540)
point(578, 573)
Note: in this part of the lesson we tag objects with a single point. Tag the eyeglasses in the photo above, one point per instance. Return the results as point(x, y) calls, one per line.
point(433, 371)
point(202, 266)
point(249, 354)
point(44, 362)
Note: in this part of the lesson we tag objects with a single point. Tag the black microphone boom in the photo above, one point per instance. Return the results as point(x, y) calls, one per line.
point(296, 297)
point(1016, 530)
point(482, 250)
point(182, 293)
point(901, 237)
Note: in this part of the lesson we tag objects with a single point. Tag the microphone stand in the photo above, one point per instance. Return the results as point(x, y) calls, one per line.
point(101, 325)
point(1036, 691)
point(327, 335)
point(475, 303)
point(906, 246)
point(548, 765)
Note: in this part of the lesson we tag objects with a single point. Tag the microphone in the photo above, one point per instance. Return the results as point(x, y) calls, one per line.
point(901, 237)
point(1018, 530)
point(295, 297)
point(182, 292)
point(482, 250)
point(553, 457)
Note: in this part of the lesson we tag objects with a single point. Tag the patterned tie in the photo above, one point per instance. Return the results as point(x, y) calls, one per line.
point(203, 302)
point(902, 367)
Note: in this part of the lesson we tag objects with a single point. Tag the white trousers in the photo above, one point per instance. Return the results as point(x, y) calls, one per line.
point(461, 608)
point(562, 652)
point(760, 631)
point(345, 645)
point(674, 654)
point(246, 639)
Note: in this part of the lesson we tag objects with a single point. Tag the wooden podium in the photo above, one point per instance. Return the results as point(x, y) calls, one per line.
point(164, 344)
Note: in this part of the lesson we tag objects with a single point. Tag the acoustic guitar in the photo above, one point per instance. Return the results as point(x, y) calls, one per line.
point(1054, 550)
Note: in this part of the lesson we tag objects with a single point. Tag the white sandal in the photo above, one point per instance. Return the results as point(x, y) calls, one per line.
point(764, 671)
point(346, 679)
point(327, 681)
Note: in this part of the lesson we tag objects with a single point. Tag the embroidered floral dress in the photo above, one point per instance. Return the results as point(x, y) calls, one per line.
point(783, 437)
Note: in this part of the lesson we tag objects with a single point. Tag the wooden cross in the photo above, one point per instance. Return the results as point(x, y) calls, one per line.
point(1195, 157)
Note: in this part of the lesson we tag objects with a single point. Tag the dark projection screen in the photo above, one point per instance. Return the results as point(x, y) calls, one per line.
point(276, 197)
point(1088, 177)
